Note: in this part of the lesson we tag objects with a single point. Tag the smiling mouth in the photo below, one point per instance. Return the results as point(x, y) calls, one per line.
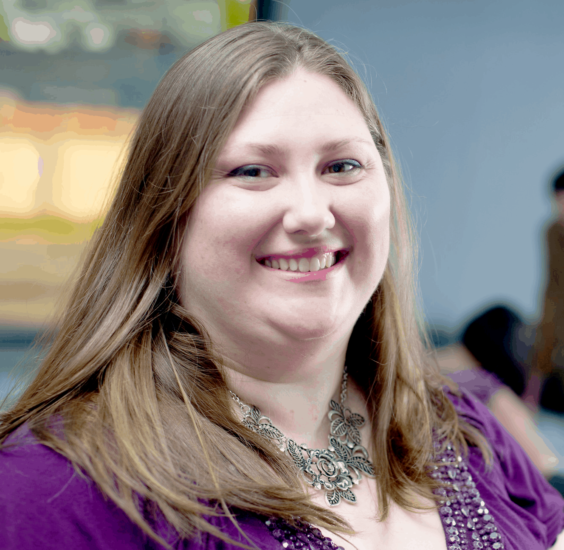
point(318, 262)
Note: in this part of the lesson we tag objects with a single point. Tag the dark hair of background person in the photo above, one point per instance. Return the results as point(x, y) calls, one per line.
point(558, 182)
point(490, 338)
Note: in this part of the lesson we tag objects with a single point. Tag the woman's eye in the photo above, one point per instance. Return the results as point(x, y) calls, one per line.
point(250, 171)
point(343, 167)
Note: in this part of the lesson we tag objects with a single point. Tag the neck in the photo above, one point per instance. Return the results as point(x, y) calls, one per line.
point(294, 392)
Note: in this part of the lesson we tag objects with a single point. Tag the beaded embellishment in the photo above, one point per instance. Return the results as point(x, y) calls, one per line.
point(468, 524)
point(305, 537)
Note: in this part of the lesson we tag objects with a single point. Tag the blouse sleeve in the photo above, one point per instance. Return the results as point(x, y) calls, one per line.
point(45, 503)
point(527, 508)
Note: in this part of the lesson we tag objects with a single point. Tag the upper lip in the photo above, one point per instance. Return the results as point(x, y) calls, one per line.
point(303, 252)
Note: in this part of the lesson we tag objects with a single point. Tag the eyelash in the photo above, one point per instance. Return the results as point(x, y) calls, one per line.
point(238, 172)
point(355, 165)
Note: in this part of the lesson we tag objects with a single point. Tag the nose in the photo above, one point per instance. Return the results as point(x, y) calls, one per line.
point(308, 211)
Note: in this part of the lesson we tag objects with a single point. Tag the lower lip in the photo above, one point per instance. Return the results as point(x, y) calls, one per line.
point(299, 277)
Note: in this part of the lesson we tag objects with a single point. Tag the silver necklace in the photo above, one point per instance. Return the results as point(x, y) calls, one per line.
point(329, 469)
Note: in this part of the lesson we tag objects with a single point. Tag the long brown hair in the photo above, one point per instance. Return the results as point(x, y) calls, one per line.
point(130, 389)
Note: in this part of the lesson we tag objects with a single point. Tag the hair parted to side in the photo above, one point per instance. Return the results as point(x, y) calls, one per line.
point(130, 389)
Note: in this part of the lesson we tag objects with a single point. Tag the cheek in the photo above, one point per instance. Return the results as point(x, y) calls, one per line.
point(373, 254)
point(370, 225)
point(382, 232)
point(220, 236)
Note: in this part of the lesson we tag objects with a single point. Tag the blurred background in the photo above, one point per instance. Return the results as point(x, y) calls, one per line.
point(471, 92)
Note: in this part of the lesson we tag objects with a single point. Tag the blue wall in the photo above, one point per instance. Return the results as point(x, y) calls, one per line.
point(472, 93)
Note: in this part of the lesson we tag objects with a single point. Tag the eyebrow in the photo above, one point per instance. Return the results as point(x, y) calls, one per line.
point(340, 143)
point(329, 147)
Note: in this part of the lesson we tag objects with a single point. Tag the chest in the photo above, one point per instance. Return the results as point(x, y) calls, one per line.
point(401, 530)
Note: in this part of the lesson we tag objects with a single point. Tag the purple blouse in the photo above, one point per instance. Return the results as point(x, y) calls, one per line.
point(45, 504)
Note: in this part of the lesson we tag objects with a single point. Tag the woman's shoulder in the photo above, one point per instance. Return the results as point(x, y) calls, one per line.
point(469, 406)
point(507, 453)
point(28, 468)
point(22, 456)
point(46, 503)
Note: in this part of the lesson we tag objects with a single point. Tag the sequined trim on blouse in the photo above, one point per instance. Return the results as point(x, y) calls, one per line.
point(304, 537)
point(468, 524)
point(467, 521)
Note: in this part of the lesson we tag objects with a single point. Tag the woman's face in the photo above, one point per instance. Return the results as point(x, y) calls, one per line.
point(290, 238)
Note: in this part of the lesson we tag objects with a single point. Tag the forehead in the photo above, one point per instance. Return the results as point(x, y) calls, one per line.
point(308, 105)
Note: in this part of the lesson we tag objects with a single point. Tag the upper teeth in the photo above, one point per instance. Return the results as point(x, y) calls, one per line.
point(316, 263)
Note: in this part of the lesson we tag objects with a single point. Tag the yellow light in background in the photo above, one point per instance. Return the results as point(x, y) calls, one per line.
point(84, 180)
point(4, 33)
point(234, 12)
point(19, 175)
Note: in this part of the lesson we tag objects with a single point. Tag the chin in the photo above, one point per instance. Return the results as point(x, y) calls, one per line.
point(310, 329)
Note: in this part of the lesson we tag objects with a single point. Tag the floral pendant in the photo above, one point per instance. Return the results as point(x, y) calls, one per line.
point(335, 469)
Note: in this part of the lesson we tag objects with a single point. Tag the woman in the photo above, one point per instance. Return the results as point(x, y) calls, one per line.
point(257, 244)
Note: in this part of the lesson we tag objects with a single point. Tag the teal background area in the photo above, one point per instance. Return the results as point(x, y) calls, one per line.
point(18, 357)
point(9, 373)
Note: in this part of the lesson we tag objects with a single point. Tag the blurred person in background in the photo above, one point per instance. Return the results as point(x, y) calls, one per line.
point(546, 379)
point(492, 361)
